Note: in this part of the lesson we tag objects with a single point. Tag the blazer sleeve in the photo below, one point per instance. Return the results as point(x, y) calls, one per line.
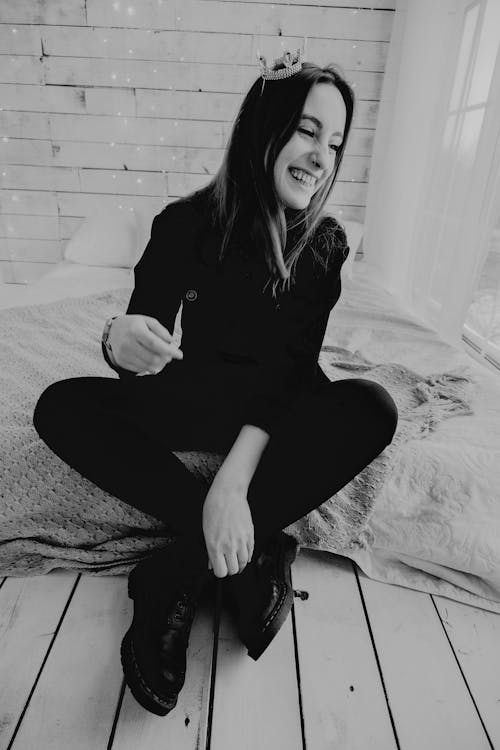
point(158, 275)
point(292, 367)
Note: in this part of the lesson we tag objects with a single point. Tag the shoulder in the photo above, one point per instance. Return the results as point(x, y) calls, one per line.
point(182, 210)
point(330, 240)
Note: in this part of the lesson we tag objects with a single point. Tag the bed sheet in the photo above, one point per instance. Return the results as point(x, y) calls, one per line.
point(436, 524)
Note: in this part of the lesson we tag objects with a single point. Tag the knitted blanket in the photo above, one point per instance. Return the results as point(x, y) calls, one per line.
point(52, 517)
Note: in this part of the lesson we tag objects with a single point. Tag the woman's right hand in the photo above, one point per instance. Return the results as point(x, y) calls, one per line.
point(142, 344)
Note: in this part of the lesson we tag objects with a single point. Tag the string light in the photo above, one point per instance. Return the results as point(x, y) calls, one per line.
point(165, 185)
point(14, 31)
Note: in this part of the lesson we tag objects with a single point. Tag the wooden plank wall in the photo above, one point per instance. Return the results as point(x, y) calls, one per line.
point(128, 104)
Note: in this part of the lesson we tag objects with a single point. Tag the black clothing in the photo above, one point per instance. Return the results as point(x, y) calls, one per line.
point(245, 362)
point(120, 434)
point(229, 317)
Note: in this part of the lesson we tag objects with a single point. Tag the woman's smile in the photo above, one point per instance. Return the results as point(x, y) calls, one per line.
point(303, 179)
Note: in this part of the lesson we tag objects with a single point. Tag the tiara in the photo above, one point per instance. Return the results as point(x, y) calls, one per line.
point(291, 61)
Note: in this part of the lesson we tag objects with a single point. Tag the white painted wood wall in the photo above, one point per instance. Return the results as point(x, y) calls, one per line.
point(109, 103)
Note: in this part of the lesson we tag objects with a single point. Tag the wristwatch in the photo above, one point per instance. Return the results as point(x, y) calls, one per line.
point(105, 338)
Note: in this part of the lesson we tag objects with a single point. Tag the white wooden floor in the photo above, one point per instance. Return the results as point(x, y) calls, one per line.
point(359, 665)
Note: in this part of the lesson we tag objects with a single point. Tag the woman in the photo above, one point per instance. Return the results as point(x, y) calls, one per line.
point(257, 267)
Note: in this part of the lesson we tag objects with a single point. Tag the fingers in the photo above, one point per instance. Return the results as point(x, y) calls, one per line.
point(154, 325)
point(219, 566)
point(150, 343)
point(231, 563)
point(250, 548)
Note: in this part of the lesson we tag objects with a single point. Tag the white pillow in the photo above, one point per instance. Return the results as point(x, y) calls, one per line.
point(354, 232)
point(105, 239)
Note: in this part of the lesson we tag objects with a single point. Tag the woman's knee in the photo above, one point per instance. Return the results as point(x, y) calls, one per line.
point(51, 402)
point(375, 400)
point(61, 402)
point(382, 403)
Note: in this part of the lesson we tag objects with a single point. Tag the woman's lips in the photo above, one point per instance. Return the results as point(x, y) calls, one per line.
point(304, 185)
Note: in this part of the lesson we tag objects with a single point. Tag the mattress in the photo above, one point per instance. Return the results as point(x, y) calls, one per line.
point(436, 524)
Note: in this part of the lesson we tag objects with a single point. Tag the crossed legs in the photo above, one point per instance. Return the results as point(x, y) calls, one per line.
point(120, 435)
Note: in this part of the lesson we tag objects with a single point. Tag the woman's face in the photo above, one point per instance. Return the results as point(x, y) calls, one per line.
point(307, 160)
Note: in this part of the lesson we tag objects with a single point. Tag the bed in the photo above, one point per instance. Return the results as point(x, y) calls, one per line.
point(425, 514)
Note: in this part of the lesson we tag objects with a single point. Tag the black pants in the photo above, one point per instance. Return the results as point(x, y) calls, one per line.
point(120, 434)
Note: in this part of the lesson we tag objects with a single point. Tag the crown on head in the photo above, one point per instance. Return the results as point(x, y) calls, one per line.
point(291, 63)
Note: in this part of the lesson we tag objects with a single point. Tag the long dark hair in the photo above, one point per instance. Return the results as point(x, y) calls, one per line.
point(242, 195)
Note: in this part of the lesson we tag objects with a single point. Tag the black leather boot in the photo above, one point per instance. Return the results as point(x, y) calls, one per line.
point(261, 596)
point(165, 590)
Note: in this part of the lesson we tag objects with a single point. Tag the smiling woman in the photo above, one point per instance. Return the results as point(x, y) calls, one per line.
point(246, 383)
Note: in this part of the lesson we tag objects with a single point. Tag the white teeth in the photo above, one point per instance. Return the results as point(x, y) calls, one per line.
point(303, 177)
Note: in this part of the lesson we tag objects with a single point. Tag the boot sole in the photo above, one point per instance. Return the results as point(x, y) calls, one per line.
point(256, 646)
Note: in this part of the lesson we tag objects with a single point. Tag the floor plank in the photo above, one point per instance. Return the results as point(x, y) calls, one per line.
point(344, 704)
point(74, 702)
point(30, 610)
point(475, 638)
point(430, 702)
point(256, 703)
point(436, 659)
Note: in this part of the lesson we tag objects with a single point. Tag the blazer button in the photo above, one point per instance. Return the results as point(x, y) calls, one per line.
point(191, 295)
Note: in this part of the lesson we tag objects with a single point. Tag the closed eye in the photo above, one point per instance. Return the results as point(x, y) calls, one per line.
point(311, 135)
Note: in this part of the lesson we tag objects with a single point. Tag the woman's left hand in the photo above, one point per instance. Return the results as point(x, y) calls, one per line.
point(228, 527)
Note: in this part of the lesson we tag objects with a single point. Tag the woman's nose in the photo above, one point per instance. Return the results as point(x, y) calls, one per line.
point(321, 156)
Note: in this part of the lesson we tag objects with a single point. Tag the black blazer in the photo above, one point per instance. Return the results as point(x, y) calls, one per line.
point(229, 315)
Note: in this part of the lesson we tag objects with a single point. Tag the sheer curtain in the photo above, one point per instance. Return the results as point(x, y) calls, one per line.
point(433, 204)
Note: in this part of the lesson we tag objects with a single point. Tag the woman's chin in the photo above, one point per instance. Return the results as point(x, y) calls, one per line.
point(297, 203)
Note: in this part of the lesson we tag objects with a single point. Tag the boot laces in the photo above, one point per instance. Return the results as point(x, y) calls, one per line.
point(184, 607)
